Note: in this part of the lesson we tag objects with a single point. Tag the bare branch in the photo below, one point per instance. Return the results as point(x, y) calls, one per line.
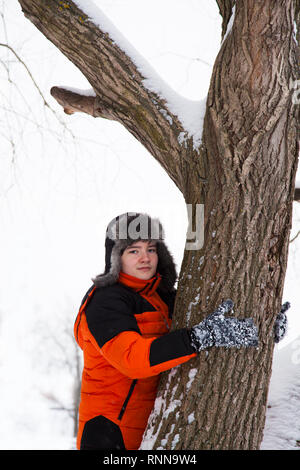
point(45, 102)
point(28, 71)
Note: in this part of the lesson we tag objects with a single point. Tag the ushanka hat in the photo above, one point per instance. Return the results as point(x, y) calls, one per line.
point(122, 232)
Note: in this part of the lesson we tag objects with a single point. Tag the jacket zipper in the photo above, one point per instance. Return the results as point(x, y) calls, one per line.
point(127, 398)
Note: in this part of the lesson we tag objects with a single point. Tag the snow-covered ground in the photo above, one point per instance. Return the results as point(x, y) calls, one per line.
point(57, 193)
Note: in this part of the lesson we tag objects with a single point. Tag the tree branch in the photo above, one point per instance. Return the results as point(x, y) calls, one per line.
point(73, 102)
point(77, 101)
point(225, 9)
point(35, 84)
point(118, 83)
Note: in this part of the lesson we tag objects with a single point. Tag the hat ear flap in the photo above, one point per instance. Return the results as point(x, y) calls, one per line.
point(109, 244)
point(112, 269)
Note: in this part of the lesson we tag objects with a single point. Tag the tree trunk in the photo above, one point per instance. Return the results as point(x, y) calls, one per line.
point(243, 173)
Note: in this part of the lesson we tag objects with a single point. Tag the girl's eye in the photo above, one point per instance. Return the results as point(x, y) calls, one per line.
point(135, 251)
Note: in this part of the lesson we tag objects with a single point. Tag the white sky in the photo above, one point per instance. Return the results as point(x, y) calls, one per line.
point(61, 196)
point(56, 197)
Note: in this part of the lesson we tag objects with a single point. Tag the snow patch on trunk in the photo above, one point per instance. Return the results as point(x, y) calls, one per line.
point(230, 23)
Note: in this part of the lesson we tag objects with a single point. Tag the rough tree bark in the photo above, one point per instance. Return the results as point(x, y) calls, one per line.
point(244, 174)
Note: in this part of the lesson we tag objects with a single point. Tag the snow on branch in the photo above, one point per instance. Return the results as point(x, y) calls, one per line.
point(127, 88)
point(190, 113)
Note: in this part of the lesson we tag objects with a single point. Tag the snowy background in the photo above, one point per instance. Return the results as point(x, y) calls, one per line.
point(62, 179)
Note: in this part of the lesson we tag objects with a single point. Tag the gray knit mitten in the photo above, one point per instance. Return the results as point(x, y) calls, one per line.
point(216, 330)
point(280, 326)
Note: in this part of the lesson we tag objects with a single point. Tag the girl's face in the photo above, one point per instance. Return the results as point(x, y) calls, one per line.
point(140, 260)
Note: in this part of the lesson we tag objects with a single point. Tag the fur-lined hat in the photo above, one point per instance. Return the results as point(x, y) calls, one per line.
point(122, 232)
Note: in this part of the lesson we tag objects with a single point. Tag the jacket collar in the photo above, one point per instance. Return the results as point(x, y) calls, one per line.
point(141, 286)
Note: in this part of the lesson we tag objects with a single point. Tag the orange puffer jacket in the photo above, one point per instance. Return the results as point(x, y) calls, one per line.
point(123, 330)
